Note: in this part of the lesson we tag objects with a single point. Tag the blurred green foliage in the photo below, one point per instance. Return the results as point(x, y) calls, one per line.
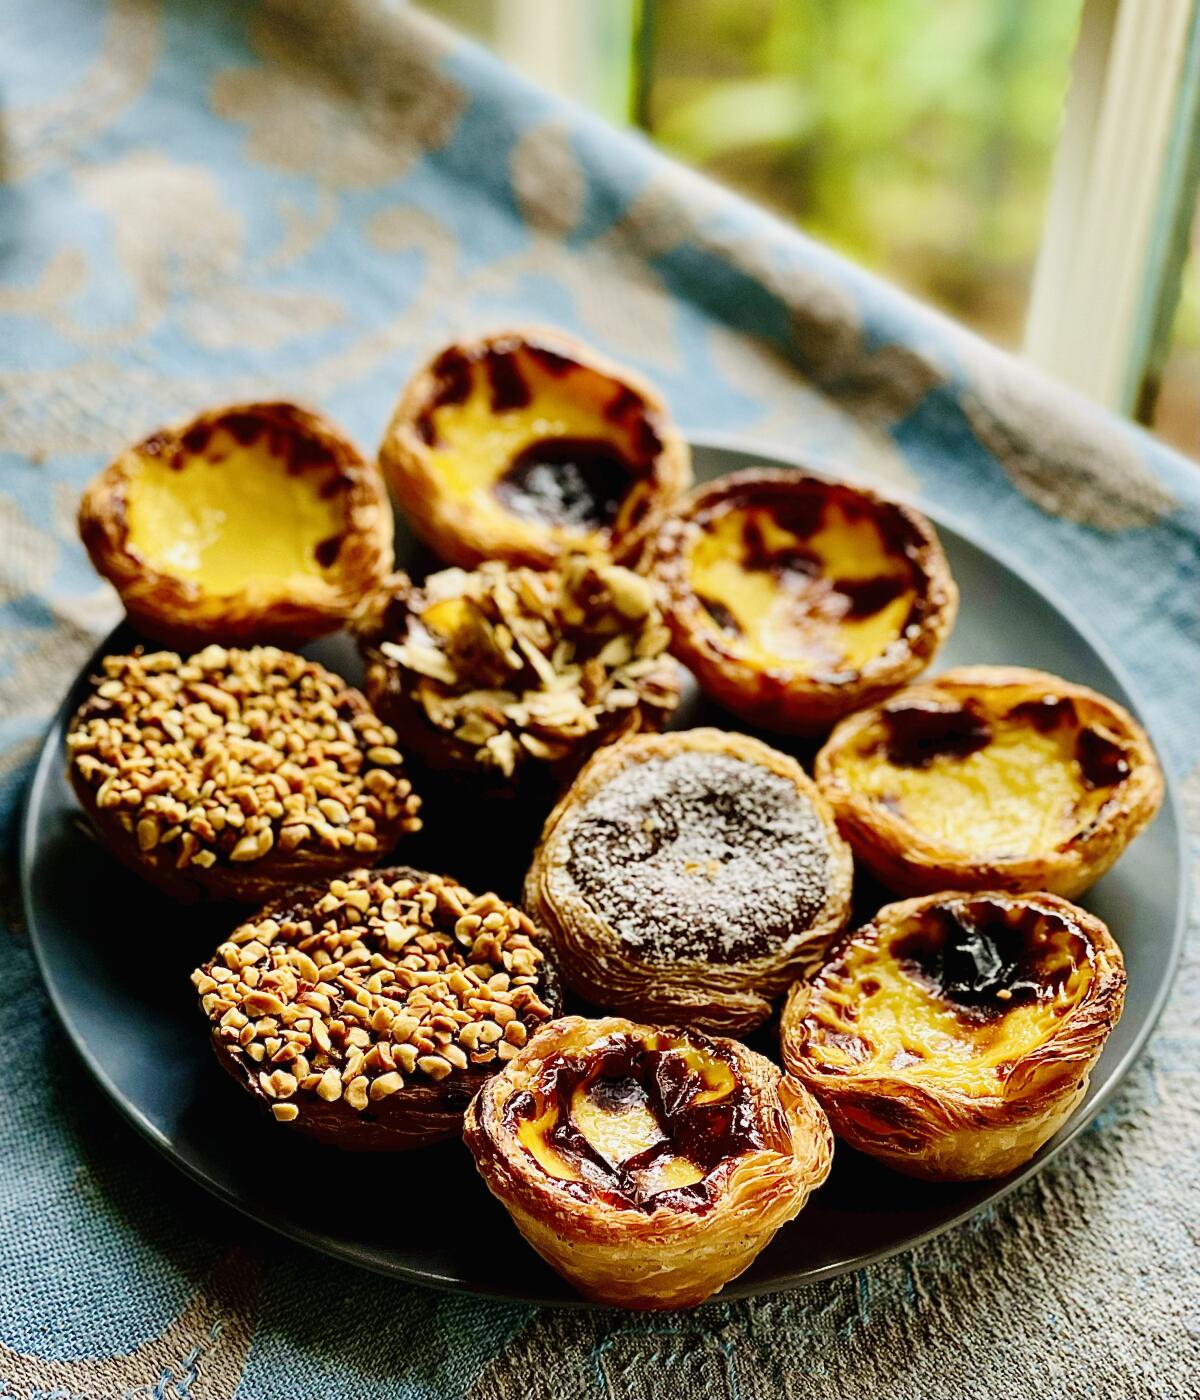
point(917, 135)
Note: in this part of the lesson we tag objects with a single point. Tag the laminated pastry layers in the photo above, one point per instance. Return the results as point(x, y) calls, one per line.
point(690, 877)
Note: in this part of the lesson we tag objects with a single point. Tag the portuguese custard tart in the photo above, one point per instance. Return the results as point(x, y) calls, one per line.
point(795, 599)
point(690, 877)
point(236, 774)
point(524, 445)
point(367, 1011)
point(648, 1166)
point(257, 523)
point(953, 1035)
point(503, 668)
point(991, 777)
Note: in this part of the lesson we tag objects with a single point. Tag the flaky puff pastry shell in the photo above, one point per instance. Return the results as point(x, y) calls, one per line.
point(525, 445)
point(953, 1035)
point(593, 1212)
point(991, 777)
point(689, 878)
point(260, 522)
point(795, 599)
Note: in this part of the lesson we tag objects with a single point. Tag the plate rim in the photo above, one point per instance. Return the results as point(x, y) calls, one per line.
point(50, 747)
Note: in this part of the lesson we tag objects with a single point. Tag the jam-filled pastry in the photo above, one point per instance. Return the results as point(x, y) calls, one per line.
point(525, 445)
point(795, 599)
point(690, 877)
point(367, 1011)
point(500, 671)
point(256, 523)
point(991, 777)
point(236, 774)
point(648, 1166)
point(953, 1035)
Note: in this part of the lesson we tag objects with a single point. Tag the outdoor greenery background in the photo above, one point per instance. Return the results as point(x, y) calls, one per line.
point(914, 135)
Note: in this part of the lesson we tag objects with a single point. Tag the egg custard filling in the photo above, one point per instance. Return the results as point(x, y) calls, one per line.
point(514, 428)
point(983, 780)
point(955, 995)
point(638, 1120)
point(239, 505)
point(813, 584)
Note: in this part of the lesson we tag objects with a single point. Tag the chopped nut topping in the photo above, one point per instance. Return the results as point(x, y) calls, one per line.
point(340, 993)
point(229, 754)
point(514, 665)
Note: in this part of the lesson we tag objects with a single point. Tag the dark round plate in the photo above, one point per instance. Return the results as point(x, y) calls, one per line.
point(147, 1045)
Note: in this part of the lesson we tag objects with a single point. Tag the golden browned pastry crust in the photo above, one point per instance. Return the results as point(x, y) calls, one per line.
point(236, 774)
point(690, 877)
point(524, 445)
point(368, 1011)
point(795, 599)
point(991, 777)
point(648, 1166)
point(502, 670)
point(953, 1035)
point(255, 523)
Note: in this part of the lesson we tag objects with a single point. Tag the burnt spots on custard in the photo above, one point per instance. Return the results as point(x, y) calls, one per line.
point(1046, 714)
point(720, 614)
point(327, 551)
point(195, 440)
point(700, 856)
point(623, 1114)
point(509, 387)
point(918, 731)
point(871, 595)
point(566, 481)
point(1102, 762)
point(451, 385)
point(984, 958)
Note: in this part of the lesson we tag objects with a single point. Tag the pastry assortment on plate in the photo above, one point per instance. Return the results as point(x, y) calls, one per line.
point(795, 599)
point(525, 445)
point(502, 670)
point(367, 1011)
point(648, 1165)
point(991, 777)
point(954, 1034)
point(690, 881)
point(690, 877)
point(256, 523)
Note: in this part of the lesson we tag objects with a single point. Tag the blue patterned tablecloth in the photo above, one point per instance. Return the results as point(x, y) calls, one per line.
point(207, 199)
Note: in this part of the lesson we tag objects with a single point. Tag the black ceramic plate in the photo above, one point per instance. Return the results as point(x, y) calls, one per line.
point(147, 1045)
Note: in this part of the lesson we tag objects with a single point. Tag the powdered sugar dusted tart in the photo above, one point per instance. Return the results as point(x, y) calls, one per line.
point(690, 877)
point(795, 599)
point(524, 445)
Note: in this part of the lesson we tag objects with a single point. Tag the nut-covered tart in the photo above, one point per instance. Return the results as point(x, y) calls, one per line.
point(648, 1166)
point(366, 1012)
point(505, 669)
point(255, 523)
point(953, 1035)
point(524, 445)
point(236, 774)
point(690, 877)
point(991, 777)
point(795, 599)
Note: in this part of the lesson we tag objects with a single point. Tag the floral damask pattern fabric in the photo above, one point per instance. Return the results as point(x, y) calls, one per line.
point(302, 197)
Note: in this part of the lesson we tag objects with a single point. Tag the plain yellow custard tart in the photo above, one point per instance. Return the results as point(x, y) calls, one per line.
point(254, 523)
point(991, 777)
point(953, 1035)
point(649, 1166)
point(795, 599)
point(524, 445)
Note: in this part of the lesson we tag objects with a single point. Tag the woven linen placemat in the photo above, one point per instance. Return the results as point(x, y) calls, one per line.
point(300, 198)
